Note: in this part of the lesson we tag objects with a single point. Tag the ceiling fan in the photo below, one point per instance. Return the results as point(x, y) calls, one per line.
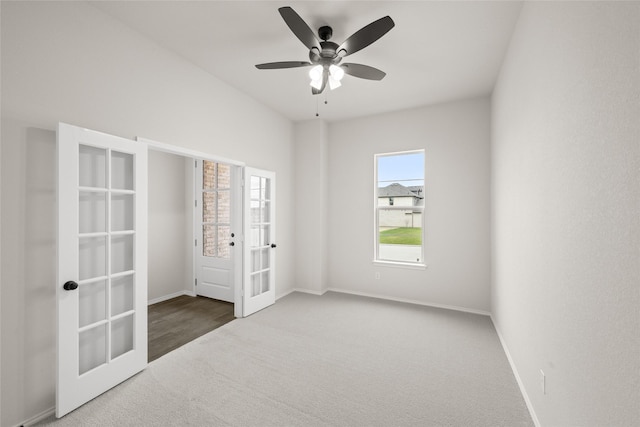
point(325, 56)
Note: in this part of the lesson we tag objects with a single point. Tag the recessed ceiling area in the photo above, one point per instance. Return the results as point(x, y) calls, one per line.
point(437, 52)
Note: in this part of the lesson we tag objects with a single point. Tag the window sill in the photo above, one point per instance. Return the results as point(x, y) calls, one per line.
point(398, 264)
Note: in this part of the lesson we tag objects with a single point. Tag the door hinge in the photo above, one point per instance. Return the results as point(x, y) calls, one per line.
point(196, 282)
point(196, 202)
point(196, 242)
point(195, 163)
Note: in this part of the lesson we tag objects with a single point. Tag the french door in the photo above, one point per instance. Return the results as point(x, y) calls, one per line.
point(101, 289)
point(260, 238)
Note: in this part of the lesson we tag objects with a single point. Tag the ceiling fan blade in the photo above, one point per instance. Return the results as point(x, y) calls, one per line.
point(367, 35)
point(283, 64)
point(363, 71)
point(299, 27)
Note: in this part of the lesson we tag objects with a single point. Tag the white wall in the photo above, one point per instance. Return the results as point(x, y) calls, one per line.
point(170, 225)
point(456, 140)
point(566, 210)
point(67, 61)
point(311, 181)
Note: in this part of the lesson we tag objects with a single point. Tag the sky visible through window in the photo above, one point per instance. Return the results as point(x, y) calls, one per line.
point(405, 169)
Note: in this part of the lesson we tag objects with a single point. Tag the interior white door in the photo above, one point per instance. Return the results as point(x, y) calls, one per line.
point(260, 237)
point(215, 233)
point(102, 264)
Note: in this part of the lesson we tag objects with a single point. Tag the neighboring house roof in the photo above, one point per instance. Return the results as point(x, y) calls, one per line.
point(399, 190)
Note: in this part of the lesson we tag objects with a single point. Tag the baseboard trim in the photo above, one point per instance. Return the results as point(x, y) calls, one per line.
point(309, 291)
point(523, 391)
point(409, 301)
point(170, 296)
point(290, 291)
point(37, 418)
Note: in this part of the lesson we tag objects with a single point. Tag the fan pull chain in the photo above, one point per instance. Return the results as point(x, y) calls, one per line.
point(317, 114)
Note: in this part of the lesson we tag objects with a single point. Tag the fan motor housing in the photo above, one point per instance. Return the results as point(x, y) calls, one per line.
point(325, 32)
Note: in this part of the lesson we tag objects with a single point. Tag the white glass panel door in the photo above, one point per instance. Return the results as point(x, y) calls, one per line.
point(260, 232)
point(102, 279)
point(215, 230)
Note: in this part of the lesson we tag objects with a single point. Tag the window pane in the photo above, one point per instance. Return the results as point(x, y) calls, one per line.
point(400, 179)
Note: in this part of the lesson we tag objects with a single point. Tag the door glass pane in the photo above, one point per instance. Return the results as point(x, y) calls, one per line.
point(264, 235)
point(92, 257)
point(265, 211)
point(121, 253)
point(92, 302)
point(224, 238)
point(255, 212)
point(255, 187)
point(255, 284)
point(224, 176)
point(209, 240)
point(93, 212)
point(208, 207)
point(255, 260)
point(92, 348)
point(121, 212)
point(121, 294)
point(209, 175)
point(121, 336)
point(265, 258)
point(224, 206)
point(255, 237)
point(264, 188)
point(121, 171)
point(265, 281)
point(92, 167)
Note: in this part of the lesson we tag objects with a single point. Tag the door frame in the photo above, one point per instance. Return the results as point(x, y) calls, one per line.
point(238, 170)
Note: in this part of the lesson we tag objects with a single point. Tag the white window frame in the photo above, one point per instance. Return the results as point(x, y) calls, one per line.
point(376, 256)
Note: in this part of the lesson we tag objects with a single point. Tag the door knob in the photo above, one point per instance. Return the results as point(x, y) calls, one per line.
point(70, 286)
point(232, 244)
point(273, 245)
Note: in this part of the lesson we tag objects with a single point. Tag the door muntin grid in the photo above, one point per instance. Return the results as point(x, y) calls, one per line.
point(106, 243)
point(216, 209)
point(260, 234)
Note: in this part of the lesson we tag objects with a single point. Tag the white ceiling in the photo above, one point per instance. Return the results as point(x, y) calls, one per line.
point(438, 51)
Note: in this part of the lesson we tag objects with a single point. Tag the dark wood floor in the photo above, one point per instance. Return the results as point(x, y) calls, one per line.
point(175, 322)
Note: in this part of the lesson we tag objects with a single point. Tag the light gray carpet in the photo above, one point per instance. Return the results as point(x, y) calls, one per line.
point(336, 360)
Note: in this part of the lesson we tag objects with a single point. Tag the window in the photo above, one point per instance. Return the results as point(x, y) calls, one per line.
point(399, 207)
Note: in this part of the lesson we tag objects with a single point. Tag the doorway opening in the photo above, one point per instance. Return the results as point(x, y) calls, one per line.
point(193, 212)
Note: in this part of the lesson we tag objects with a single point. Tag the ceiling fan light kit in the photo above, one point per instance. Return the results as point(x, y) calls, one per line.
point(325, 56)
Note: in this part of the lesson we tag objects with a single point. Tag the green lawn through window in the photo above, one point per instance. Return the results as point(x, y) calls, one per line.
point(401, 236)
